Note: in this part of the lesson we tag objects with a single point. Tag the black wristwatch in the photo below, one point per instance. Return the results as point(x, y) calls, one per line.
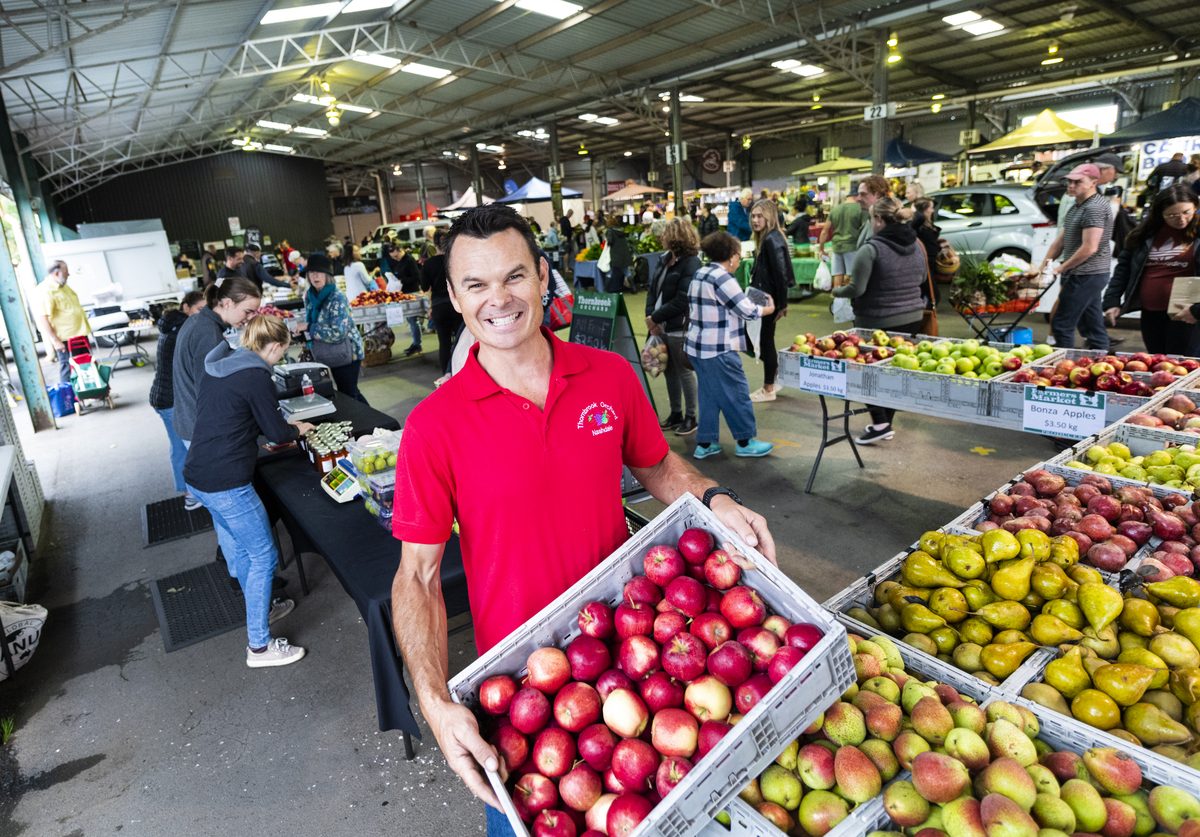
point(719, 489)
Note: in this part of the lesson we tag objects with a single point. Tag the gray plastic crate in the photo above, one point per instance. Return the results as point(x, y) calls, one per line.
point(1008, 398)
point(826, 672)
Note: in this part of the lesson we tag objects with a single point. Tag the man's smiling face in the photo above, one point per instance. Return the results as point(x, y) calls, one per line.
point(497, 287)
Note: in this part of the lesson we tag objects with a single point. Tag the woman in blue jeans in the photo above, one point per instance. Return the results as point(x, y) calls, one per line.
point(162, 391)
point(717, 315)
point(236, 403)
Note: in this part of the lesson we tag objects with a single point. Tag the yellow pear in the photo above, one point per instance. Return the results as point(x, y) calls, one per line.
point(1035, 544)
point(1011, 579)
point(1067, 675)
point(1082, 573)
point(1000, 545)
point(1123, 682)
point(1005, 615)
point(1002, 660)
point(1187, 622)
point(1050, 630)
point(920, 569)
point(1140, 617)
point(949, 603)
point(918, 619)
point(1147, 658)
point(1180, 591)
point(964, 562)
point(1100, 603)
point(1050, 581)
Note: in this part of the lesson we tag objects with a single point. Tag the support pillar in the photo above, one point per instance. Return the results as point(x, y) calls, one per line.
point(879, 126)
point(15, 176)
point(729, 156)
point(421, 186)
point(476, 179)
point(29, 170)
point(556, 173)
point(594, 166)
point(21, 338)
point(677, 166)
point(383, 195)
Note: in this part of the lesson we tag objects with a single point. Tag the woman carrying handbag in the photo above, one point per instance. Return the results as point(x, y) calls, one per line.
point(333, 338)
point(667, 316)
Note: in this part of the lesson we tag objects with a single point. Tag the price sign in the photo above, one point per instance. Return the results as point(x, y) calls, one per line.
point(1061, 412)
point(395, 315)
point(823, 376)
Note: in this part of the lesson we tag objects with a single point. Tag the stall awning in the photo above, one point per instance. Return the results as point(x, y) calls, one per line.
point(901, 153)
point(632, 191)
point(465, 202)
point(838, 166)
point(536, 190)
point(1181, 120)
point(1046, 129)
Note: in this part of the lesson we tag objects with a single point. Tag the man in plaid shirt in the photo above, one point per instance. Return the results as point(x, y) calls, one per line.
point(717, 315)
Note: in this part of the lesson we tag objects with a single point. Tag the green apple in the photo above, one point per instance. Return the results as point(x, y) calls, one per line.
point(1041, 350)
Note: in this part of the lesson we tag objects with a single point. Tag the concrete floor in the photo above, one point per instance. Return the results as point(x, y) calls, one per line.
point(113, 735)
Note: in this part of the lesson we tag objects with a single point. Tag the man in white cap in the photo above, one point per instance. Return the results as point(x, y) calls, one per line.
point(1085, 245)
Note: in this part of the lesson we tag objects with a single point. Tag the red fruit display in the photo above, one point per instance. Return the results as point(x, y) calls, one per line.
point(580, 788)
point(551, 823)
point(633, 619)
point(588, 658)
point(643, 590)
point(529, 711)
point(576, 706)
point(667, 624)
point(743, 608)
point(663, 564)
point(670, 773)
point(638, 656)
point(536, 793)
point(596, 620)
point(695, 545)
point(720, 570)
point(683, 657)
point(687, 595)
point(675, 732)
point(613, 679)
point(751, 692)
point(549, 670)
point(784, 661)
point(626, 813)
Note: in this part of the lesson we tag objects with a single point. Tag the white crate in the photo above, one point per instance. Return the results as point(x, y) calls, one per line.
point(826, 672)
point(1008, 398)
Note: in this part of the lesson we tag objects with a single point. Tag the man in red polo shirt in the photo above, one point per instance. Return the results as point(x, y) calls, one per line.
point(530, 427)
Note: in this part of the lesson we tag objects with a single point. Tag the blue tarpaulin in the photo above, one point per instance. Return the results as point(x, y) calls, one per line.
point(1181, 120)
point(901, 153)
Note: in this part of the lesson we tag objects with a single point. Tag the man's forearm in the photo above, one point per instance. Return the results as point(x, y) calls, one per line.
point(48, 331)
point(419, 622)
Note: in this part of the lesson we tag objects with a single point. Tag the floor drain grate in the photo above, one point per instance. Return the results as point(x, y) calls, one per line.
point(167, 520)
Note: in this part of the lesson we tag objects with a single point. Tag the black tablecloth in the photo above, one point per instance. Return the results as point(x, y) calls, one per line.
point(364, 558)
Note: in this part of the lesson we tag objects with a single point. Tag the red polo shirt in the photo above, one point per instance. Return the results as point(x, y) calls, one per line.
point(537, 493)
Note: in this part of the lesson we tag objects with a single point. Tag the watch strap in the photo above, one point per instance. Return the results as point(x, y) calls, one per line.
point(719, 489)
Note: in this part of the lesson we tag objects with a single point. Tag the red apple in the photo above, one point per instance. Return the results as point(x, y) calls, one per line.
point(711, 733)
point(643, 590)
point(731, 663)
point(613, 679)
point(777, 625)
point(663, 564)
point(589, 658)
point(596, 620)
point(580, 788)
point(803, 635)
point(708, 699)
point(695, 571)
point(596, 817)
point(576, 706)
point(712, 602)
point(695, 544)
point(596, 745)
point(762, 645)
point(551, 823)
point(553, 752)
point(633, 619)
point(687, 595)
point(496, 693)
point(670, 773)
point(751, 692)
point(667, 624)
point(720, 570)
point(638, 656)
point(783, 662)
point(536, 793)
point(529, 710)
point(743, 607)
point(712, 628)
point(674, 732)
point(626, 814)
point(634, 762)
point(612, 784)
point(512, 746)
point(683, 657)
point(549, 669)
point(625, 713)
point(660, 691)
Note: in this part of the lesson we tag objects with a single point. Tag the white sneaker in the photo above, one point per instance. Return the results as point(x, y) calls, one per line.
point(279, 652)
point(190, 503)
point(280, 607)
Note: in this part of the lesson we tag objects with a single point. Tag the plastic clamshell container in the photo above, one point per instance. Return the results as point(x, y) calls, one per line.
point(382, 487)
point(364, 454)
point(824, 673)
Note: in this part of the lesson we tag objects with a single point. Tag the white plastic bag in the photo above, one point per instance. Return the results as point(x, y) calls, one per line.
point(842, 310)
point(20, 630)
point(605, 262)
point(654, 356)
point(823, 281)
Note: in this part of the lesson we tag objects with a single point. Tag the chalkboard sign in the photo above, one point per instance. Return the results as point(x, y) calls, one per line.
point(602, 322)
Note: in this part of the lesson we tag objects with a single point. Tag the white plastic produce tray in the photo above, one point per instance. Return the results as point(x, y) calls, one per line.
point(826, 672)
point(1008, 398)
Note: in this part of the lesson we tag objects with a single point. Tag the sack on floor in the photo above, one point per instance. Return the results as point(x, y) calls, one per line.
point(654, 356)
point(842, 310)
point(20, 632)
point(823, 279)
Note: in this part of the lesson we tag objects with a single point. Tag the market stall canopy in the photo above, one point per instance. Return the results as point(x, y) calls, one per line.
point(465, 202)
point(1181, 120)
point(838, 166)
point(1047, 128)
point(536, 190)
point(901, 153)
point(633, 190)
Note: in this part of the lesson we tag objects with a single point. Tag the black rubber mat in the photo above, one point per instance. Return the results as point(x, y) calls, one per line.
point(196, 605)
point(167, 520)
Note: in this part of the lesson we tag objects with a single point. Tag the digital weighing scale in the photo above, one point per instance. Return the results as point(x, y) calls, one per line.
point(340, 483)
point(305, 407)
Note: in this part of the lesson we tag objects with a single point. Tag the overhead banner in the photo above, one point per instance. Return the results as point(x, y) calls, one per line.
point(355, 205)
point(1160, 151)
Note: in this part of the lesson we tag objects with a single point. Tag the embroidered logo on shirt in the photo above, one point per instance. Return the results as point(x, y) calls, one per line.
point(597, 418)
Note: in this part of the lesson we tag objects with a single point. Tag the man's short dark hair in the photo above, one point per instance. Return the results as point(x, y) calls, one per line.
point(253, 248)
point(232, 251)
point(485, 221)
point(720, 246)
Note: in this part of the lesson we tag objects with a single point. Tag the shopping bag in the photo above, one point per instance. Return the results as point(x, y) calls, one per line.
point(842, 310)
point(62, 399)
point(605, 262)
point(654, 355)
point(20, 632)
point(559, 311)
point(823, 280)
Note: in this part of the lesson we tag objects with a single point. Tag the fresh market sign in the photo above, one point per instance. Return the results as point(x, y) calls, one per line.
point(1161, 151)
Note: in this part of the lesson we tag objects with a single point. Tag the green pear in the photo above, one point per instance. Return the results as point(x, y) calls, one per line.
point(904, 805)
point(1085, 801)
point(1170, 807)
point(781, 786)
point(1004, 818)
point(1052, 812)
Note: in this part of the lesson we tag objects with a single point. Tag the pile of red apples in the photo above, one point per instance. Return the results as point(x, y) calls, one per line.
point(598, 732)
point(1111, 373)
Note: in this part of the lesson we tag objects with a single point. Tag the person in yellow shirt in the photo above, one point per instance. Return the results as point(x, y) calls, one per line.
point(59, 315)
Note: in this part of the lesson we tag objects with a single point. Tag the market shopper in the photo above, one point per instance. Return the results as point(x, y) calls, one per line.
point(1084, 245)
point(620, 260)
point(233, 263)
point(333, 337)
point(773, 275)
point(253, 270)
point(666, 317)
point(208, 263)
point(446, 321)
point(717, 316)
point(871, 189)
point(738, 222)
point(59, 315)
point(237, 403)
point(709, 222)
point(1160, 248)
point(885, 287)
point(846, 221)
point(559, 405)
point(930, 236)
point(358, 281)
point(403, 276)
point(162, 396)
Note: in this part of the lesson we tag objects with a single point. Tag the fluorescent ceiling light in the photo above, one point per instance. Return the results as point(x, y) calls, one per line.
point(286, 149)
point(251, 145)
point(385, 61)
point(275, 126)
point(984, 27)
point(962, 17)
point(557, 9)
point(683, 97)
point(286, 15)
point(372, 114)
point(312, 132)
point(419, 69)
point(353, 108)
point(588, 117)
point(305, 98)
point(791, 65)
point(366, 6)
point(495, 149)
point(628, 153)
point(937, 97)
point(607, 120)
point(1046, 62)
point(239, 142)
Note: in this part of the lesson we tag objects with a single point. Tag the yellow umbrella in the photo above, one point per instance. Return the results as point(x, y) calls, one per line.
point(1046, 129)
point(840, 165)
